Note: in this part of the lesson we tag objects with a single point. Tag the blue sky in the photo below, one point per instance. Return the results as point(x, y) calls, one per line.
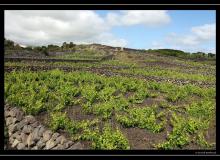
point(189, 30)
point(140, 36)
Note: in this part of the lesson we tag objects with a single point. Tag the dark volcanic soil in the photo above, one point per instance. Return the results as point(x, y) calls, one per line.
point(76, 113)
point(141, 139)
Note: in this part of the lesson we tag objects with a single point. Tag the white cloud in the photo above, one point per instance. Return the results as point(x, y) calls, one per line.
point(197, 36)
point(46, 27)
point(205, 32)
point(185, 40)
point(105, 39)
point(113, 19)
point(135, 17)
point(110, 39)
point(42, 27)
point(198, 39)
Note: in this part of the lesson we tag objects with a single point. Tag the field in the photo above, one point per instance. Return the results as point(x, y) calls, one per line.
point(144, 101)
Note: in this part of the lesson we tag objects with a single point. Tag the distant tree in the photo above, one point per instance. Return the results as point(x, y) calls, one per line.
point(64, 46)
point(9, 44)
point(170, 52)
point(211, 55)
point(72, 46)
point(198, 55)
point(52, 47)
point(45, 50)
point(17, 47)
point(64, 43)
point(202, 54)
point(67, 46)
point(37, 49)
point(29, 48)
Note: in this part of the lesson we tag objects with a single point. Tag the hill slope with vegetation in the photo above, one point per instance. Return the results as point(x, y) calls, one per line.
point(140, 99)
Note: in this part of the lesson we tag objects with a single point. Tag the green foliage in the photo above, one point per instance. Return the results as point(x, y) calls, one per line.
point(139, 96)
point(87, 107)
point(89, 93)
point(170, 52)
point(142, 118)
point(103, 109)
point(181, 54)
point(111, 139)
point(106, 93)
point(194, 125)
point(168, 73)
point(84, 54)
point(153, 95)
point(120, 103)
point(107, 139)
point(203, 110)
point(177, 94)
point(178, 137)
point(54, 90)
point(58, 120)
point(201, 92)
point(183, 128)
point(88, 134)
point(29, 100)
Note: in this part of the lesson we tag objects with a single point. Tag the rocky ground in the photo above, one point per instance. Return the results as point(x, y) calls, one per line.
point(26, 133)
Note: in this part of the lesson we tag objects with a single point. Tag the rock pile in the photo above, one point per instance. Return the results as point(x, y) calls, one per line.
point(26, 133)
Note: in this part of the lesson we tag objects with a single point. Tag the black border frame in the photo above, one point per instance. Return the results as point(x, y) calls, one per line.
point(111, 2)
point(104, 152)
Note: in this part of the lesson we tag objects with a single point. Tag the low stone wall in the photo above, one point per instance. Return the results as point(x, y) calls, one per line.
point(46, 59)
point(26, 133)
point(6, 59)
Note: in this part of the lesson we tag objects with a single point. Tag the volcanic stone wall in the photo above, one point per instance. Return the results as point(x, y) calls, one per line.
point(26, 133)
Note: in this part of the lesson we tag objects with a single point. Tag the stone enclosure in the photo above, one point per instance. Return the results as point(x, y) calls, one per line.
point(26, 133)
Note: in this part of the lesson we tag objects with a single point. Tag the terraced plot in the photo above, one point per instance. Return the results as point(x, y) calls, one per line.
point(136, 101)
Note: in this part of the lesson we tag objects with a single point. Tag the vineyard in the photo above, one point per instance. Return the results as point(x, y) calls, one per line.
point(134, 101)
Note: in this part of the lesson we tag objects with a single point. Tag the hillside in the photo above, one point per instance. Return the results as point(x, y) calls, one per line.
point(137, 99)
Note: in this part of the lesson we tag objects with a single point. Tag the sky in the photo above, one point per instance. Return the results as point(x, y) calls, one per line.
point(188, 30)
